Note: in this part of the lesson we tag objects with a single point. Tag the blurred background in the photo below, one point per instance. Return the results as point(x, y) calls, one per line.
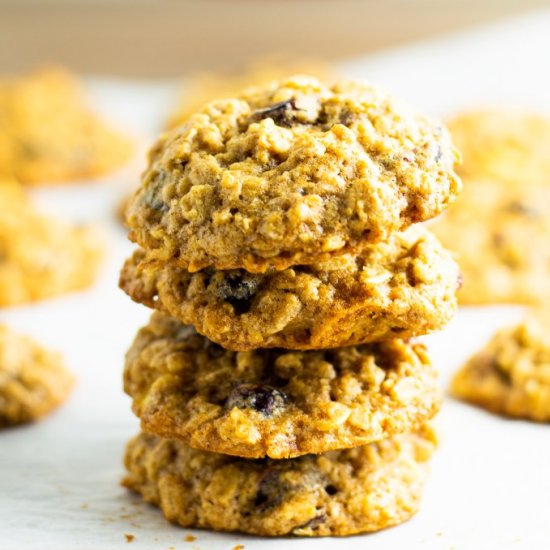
point(166, 38)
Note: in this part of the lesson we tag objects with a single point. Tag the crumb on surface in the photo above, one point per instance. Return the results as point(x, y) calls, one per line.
point(239, 547)
point(189, 538)
point(129, 537)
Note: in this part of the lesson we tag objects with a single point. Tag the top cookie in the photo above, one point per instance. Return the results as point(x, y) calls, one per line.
point(509, 146)
point(290, 173)
point(202, 88)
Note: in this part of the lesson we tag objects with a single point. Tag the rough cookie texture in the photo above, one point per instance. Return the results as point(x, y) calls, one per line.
point(501, 239)
point(48, 134)
point(33, 381)
point(41, 256)
point(275, 402)
point(511, 375)
point(338, 493)
point(400, 288)
point(290, 173)
point(508, 146)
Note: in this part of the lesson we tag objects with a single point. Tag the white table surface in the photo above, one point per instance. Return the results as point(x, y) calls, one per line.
point(59, 479)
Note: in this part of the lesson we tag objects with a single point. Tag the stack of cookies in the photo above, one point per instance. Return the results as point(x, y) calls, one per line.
point(277, 385)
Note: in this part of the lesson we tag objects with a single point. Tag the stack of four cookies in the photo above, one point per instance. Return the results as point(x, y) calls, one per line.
point(277, 387)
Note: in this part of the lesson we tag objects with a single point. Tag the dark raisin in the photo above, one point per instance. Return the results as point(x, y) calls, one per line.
point(270, 491)
point(503, 374)
point(281, 113)
point(347, 118)
point(313, 523)
point(258, 397)
point(153, 199)
point(238, 290)
point(331, 490)
point(517, 207)
point(214, 350)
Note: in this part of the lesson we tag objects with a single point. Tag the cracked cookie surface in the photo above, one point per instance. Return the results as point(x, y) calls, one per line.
point(511, 374)
point(290, 173)
point(396, 289)
point(275, 403)
point(500, 237)
point(49, 135)
point(337, 493)
point(41, 256)
point(33, 380)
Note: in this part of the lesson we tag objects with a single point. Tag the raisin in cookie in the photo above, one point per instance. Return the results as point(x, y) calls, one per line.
point(41, 256)
point(509, 146)
point(275, 403)
point(202, 88)
point(511, 375)
point(399, 288)
point(49, 135)
point(33, 381)
point(501, 238)
point(290, 173)
point(337, 493)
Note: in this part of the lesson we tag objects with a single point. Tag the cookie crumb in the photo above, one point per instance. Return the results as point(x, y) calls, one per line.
point(189, 538)
point(239, 547)
point(129, 538)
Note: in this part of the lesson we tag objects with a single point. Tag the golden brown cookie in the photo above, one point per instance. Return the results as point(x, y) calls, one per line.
point(275, 403)
point(395, 289)
point(41, 256)
point(200, 89)
point(338, 493)
point(291, 173)
point(33, 380)
point(49, 135)
point(505, 145)
point(501, 237)
point(511, 375)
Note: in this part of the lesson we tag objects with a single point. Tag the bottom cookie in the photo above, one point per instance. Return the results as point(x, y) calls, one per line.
point(511, 374)
point(336, 493)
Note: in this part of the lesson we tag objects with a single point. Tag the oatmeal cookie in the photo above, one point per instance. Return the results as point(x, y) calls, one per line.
point(395, 289)
point(501, 238)
point(33, 381)
point(41, 256)
point(511, 375)
point(290, 173)
point(505, 145)
point(49, 135)
point(275, 403)
point(337, 493)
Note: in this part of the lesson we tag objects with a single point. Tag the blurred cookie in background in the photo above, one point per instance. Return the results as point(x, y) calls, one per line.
point(202, 88)
point(501, 238)
point(42, 256)
point(511, 374)
point(506, 145)
point(33, 380)
point(49, 134)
